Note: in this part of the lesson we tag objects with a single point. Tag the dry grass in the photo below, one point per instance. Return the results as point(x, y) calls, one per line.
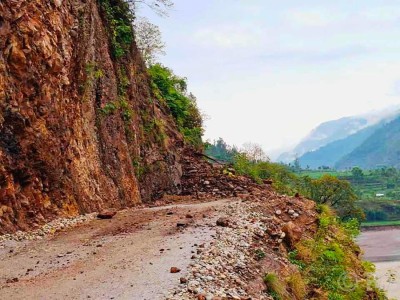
point(276, 287)
point(297, 286)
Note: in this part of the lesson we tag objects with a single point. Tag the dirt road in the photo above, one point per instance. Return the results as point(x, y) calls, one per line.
point(127, 257)
point(383, 249)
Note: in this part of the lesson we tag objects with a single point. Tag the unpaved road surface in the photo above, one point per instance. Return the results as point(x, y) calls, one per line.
point(382, 247)
point(127, 257)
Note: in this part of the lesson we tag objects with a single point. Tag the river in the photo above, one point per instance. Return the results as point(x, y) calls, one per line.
point(382, 247)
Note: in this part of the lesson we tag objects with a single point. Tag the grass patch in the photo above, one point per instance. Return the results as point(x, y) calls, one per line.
point(329, 261)
point(276, 287)
point(380, 223)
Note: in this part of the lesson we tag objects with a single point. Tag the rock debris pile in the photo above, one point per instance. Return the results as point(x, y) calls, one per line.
point(47, 229)
point(204, 179)
point(250, 240)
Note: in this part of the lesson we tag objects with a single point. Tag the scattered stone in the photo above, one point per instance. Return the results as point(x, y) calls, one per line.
point(181, 224)
point(183, 280)
point(175, 270)
point(12, 280)
point(278, 212)
point(189, 216)
point(223, 222)
point(107, 214)
point(47, 229)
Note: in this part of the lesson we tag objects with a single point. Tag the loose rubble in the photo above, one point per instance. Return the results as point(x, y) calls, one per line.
point(204, 179)
point(47, 229)
point(250, 240)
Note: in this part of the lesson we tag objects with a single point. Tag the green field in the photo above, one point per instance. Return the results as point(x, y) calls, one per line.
point(315, 174)
point(381, 223)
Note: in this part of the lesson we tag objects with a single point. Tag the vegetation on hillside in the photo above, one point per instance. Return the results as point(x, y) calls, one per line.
point(119, 18)
point(172, 90)
point(329, 262)
point(324, 190)
point(378, 190)
point(167, 87)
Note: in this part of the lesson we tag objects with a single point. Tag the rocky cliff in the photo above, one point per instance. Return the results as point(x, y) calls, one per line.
point(79, 128)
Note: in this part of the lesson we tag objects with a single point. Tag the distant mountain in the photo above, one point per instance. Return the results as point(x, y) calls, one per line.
point(330, 154)
point(382, 148)
point(336, 130)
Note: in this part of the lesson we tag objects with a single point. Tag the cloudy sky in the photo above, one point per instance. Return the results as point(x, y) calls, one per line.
point(269, 71)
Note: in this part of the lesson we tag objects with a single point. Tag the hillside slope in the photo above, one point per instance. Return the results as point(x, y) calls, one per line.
point(330, 154)
point(79, 128)
point(382, 148)
point(339, 129)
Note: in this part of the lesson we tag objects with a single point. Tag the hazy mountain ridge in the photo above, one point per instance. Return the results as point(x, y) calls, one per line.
point(331, 140)
point(330, 154)
point(382, 148)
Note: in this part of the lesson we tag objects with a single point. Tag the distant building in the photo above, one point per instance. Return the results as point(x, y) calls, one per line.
point(380, 195)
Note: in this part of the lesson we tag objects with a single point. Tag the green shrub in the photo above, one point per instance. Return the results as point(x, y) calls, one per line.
point(259, 254)
point(330, 260)
point(109, 108)
point(119, 20)
point(172, 90)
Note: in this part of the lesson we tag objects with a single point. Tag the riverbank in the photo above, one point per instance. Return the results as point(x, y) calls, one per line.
point(382, 247)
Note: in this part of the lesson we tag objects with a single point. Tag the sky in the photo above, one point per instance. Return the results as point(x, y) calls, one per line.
point(268, 72)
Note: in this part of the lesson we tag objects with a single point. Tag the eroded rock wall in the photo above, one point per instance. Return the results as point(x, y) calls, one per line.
point(68, 144)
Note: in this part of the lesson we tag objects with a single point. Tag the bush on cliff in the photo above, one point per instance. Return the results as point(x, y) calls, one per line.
point(172, 90)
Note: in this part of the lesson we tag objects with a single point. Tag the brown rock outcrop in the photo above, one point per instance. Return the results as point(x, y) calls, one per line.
point(61, 151)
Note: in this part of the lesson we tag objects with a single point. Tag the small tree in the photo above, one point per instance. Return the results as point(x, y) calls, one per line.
point(297, 165)
point(254, 152)
point(149, 40)
point(338, 194)
point(357, 173)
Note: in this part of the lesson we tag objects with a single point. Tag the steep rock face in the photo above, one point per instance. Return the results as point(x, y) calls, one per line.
point(70, 141)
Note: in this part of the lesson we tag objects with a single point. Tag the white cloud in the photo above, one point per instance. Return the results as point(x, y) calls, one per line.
point(228, 36)
point(382, 13)
point(312, 18)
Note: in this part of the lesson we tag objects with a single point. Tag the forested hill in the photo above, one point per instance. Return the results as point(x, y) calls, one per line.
point(381, 148)
point(330, 154)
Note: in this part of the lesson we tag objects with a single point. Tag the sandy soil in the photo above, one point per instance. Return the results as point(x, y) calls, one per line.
point(127, 257)
point(383, 248)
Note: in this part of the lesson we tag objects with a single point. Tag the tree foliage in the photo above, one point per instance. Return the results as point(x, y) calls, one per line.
point(172, 90)
point(149, 40)
point(119, 18)
point(221, 151)
point(254, 152)
point(336, 193)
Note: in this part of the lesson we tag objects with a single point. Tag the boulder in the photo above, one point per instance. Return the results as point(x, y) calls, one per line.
point(106, 214)
point(223, 222)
